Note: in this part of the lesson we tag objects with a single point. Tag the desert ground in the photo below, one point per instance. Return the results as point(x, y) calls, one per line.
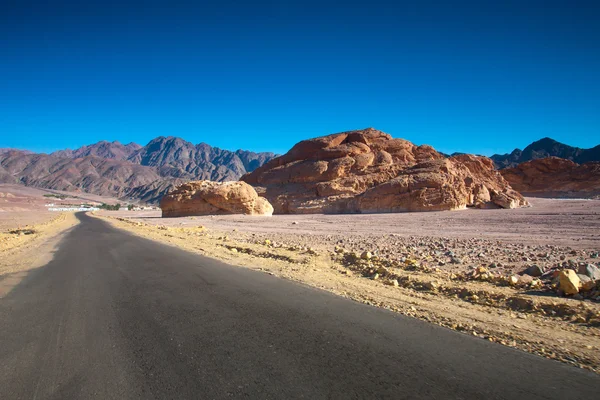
point(21, 206)
point(29, 246)
point(572, 224)
point(459, 269)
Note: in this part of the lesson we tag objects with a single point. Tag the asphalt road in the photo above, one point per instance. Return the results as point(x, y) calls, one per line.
point(114, 316)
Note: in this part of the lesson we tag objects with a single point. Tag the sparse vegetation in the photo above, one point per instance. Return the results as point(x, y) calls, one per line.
point(58, 196)
point(110, 207)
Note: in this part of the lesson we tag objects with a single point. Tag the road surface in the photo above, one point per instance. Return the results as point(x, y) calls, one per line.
point(115, 316)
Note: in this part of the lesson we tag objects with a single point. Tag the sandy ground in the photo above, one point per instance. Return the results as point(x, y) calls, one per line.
point(447, 268)
point(574, 223)
point(30, 247)
point(21, 205)
point(38, 193)
point(549, 234)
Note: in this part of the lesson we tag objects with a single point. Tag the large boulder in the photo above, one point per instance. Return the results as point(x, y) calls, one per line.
point(555, 177)
point(210, 198)
point(369, 171)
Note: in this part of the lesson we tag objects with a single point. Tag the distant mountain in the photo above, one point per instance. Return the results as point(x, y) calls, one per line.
point(176, 158)
point(544, 148)
point(128, 171)
point(111, 150)
point(7, 149)
point(89, 174)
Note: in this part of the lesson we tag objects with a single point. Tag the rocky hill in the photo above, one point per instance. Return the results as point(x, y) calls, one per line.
point(128, 171)
point(91, 174)
point(543, 148)
point(103, 149)
point(369, 171)
point(8, 149)
point(177, 158)
point(555, 177)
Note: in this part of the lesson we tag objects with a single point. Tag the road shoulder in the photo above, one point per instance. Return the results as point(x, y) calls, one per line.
point(23, 249)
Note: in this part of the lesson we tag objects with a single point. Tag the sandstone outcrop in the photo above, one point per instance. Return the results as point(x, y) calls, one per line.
point(555, 177)
point(368, 171)
point(210, 198)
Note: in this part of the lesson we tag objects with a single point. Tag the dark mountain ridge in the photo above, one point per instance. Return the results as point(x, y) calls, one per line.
point(544, 148)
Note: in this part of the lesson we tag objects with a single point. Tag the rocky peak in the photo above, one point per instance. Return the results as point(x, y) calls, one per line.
point(369, 171)
point(104, 149)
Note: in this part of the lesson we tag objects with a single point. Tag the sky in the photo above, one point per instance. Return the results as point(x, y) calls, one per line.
point(471, 76)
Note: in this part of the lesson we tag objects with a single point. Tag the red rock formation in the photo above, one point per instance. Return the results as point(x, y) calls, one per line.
point(208, 198)
point(555, 177)
point(369, 171)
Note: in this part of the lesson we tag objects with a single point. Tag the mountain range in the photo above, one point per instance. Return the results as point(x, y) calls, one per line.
point(146, 173)
point(544, 148)
point(128, 171)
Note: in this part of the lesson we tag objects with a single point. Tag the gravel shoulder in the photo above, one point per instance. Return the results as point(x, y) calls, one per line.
point(445, 268)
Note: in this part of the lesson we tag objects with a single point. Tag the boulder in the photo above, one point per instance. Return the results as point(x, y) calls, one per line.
point(590, 270)
point(534, 270)
point(568, 281)
point(526, 279)
point(367, 171)
point(586, 282)
point(210, 198)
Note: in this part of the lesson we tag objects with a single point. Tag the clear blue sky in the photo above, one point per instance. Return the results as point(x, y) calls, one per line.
point(480, 76)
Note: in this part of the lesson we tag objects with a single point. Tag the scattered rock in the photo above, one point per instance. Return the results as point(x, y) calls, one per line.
point(568, 282)
point(591, 271)
point(586, 282)
point(525, 279)
point(534, 270)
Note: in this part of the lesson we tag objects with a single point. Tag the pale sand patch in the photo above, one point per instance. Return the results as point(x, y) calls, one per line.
point(564, 329)
point(20, 253)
